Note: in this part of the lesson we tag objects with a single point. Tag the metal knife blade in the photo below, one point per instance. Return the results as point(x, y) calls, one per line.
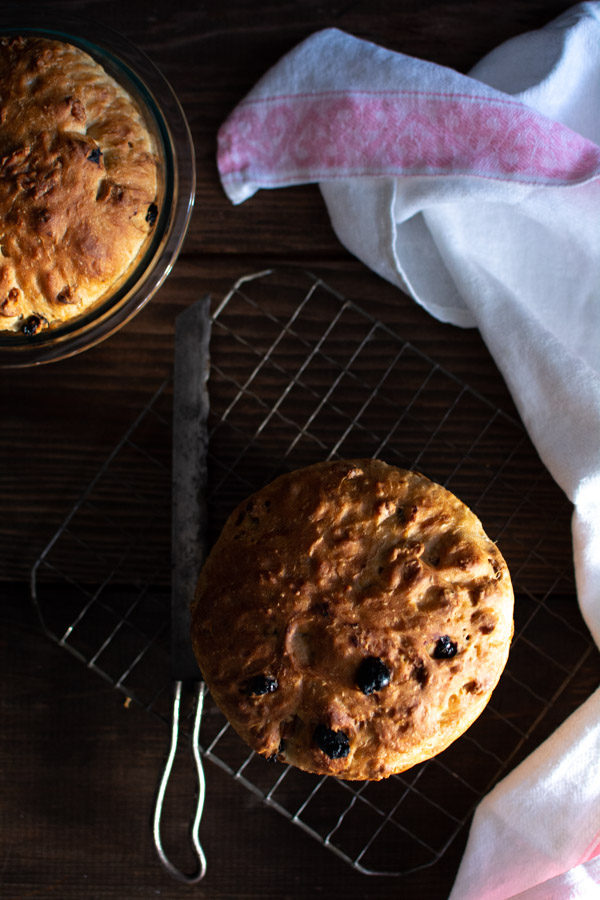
point(189, 513)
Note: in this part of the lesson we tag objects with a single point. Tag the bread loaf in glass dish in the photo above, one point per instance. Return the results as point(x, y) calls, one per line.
point(78, 183)
point(97, 187)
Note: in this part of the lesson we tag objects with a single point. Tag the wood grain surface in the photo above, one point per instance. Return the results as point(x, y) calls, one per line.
point(79, 764)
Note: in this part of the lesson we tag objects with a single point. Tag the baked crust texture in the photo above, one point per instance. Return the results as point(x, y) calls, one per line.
point(78, 183)
point(352, 619)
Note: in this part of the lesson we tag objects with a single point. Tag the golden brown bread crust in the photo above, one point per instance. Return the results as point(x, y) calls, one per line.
point(78, 176)
point(339, 563)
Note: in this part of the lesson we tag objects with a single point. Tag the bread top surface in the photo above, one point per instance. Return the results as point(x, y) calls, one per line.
point(78, 183)
point(352, 619)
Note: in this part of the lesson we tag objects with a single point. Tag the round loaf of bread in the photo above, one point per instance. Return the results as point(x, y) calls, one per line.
point(78, 183)
point(352, 619)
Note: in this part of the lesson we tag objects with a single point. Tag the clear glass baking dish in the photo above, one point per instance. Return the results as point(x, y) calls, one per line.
point(177, 181)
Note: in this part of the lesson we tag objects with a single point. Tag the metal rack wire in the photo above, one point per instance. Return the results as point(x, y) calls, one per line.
point(297, 374)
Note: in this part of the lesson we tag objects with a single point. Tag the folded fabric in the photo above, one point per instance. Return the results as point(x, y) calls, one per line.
point(479, 196)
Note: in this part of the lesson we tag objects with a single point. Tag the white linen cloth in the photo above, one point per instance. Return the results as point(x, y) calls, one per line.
point(480, 197)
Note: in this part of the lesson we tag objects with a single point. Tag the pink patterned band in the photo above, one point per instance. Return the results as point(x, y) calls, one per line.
point(312, 137)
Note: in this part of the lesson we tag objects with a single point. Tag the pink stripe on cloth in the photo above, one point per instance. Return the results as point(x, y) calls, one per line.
point(292, 139)
point(592, 851)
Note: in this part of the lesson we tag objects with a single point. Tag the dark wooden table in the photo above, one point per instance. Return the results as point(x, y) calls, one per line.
point(79, 764)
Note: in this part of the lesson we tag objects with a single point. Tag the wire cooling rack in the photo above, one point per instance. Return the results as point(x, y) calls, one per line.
point(299, 374)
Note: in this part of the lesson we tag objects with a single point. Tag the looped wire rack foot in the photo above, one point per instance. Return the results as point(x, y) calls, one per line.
point(299, 374)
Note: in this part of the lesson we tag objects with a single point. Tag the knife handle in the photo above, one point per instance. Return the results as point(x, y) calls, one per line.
point(198, 875)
